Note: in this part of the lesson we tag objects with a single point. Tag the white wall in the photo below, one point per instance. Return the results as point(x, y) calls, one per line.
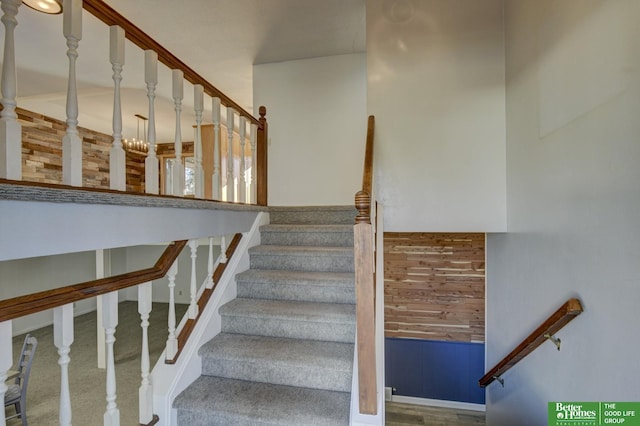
point(436, 87)
point(573, 99)
point(316, 109)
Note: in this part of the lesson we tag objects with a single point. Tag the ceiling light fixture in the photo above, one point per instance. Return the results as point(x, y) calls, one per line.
point(137, 145)
point(51, 7)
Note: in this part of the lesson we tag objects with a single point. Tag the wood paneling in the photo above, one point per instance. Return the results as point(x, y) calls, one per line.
point(435, 286)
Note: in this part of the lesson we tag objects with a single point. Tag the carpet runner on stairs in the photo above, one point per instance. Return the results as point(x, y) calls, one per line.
point(285, 354)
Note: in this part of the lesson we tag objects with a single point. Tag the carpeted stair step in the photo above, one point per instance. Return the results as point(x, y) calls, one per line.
point(328, 287)
point(321, 259)
point(215, 401)
point(299, 320)
point(280, 361)
point(317, 215)
point(307, 235)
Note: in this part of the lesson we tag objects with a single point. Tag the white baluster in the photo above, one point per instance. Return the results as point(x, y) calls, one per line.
point(193, 306)
point(242, 181)
point(151, 168)
point(63, 338)
point(198, 101)
point(10, 129)
point(178, 169)
point(230, 175)
point(172, 342)
point(223, 250)
point(117, 156)
point(145, 393)
point(215, 187)
point(210, 267)
point(6, 359)
point(253, 134)
point(110, 322)
point(71, 142)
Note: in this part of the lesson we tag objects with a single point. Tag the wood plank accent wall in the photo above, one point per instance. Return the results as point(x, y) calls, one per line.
point(435, 286)
point(42, 154)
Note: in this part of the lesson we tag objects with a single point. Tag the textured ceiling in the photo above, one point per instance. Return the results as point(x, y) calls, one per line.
point(219, 39)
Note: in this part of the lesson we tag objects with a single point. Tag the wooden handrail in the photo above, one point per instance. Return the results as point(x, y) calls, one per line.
point(189, 326)
point(567, 312)
point(365, 285)
point(110, 16)
point(41, 301)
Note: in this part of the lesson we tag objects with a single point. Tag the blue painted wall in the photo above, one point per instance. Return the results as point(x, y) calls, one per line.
point(434, 369)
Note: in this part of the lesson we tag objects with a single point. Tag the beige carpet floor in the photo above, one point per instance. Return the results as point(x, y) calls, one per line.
point(88, 383)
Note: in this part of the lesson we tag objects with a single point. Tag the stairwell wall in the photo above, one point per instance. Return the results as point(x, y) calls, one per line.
point(573, 96)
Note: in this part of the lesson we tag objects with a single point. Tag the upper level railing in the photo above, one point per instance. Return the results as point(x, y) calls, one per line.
point(546, 331)
point(364, 243)
point(235, 186)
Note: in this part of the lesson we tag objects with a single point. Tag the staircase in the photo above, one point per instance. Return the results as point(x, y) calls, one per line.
point(285, 353)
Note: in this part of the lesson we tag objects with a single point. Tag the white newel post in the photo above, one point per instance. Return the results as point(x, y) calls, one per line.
point(117, 156)
point(198, 102)
point(71, 142)
point(172, 342)
point(253, 134)
point(110, 322)
point(10, 129)
point(210, 270)
point(178, 169)
point(230, 182)
point(63, 338)
point(151, 168)
point(145, 394)
point(215, 187)
point(242, 180)
point(6, 359)
point(193, 289)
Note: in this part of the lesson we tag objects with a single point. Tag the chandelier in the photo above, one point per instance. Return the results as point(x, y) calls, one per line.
point(138, 145)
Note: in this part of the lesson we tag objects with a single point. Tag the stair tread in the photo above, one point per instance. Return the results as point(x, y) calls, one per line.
point(290, 310)
point(217, 401)
point(295, 227)
point(279, 350)
point(326, 279)
point(280, 250)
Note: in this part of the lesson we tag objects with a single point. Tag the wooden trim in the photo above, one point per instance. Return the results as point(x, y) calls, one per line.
point(262, 160)
point(41, 301)
point(567, 312)
point(365, 317)
point(189, 326)
point(110, 16)
point(153, 421)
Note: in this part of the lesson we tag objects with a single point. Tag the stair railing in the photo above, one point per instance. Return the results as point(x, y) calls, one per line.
point(72, 170)
point(364, 248)
point(61, 301)
point(546, 331)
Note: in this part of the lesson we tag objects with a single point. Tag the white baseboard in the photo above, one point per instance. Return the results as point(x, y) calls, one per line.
point(438, 403)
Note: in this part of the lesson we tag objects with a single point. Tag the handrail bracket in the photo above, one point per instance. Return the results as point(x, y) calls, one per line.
point(556, 341)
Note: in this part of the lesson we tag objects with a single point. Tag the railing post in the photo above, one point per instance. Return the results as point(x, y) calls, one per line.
point(223, 249)
point(261, 160)
point(172, 342)
point(210, 270)
point(117, 156)
point(215, 187)
point(198, 101)
point(63, 338)
point(252, 141)
point(242, 180)
point(178, 169)
point(71, 142)
point(10, 129)
point(6, 358)
point(230, 175)
point(151, 169)
point(193, 289)
point(145, 393)
point(110, 322)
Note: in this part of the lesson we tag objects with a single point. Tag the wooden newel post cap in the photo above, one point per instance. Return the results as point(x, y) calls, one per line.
point(262, 111)
point(363, 204)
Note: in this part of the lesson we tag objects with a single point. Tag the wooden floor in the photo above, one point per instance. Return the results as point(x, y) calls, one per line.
point(398, 414)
